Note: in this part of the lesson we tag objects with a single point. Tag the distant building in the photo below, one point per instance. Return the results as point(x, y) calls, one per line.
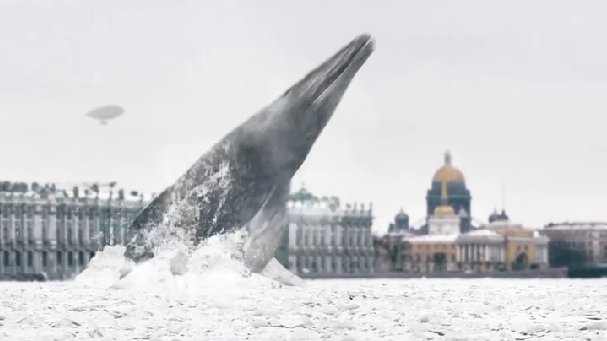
point(53, 233)
point(387, 248)
point(401, 223)
point(524, 248)
point(577, 244)
point(491, 248)
point(459, 197)
point(446, 244)
point(501, 216)
point(323, 237)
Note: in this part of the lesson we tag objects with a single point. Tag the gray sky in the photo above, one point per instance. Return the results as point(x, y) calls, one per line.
point(515, 89)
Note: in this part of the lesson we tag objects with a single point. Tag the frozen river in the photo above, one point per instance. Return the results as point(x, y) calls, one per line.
point(221, 304)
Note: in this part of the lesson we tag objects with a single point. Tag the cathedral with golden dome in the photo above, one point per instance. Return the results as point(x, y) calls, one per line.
point(448, 191)
point(448, 243)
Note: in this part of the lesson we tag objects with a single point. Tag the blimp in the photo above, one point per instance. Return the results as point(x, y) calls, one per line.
point(105, 113)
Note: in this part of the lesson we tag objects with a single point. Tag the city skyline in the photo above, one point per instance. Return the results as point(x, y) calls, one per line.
point(514, 94)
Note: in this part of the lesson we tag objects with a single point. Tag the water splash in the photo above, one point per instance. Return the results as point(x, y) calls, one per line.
point(214, 267)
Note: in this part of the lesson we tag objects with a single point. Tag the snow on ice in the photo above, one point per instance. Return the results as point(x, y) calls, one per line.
point(210, 295)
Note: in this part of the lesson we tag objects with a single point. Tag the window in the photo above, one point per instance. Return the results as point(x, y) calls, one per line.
point(18, 232)
point(44, 258)
point(92, 236)
point(298, 236)
point(58, 232)
point(18, 258)
point(45, 238)
point(6, 258)
point(333, 233)
point(91, 255)
point(30, 259)
point(80, 258)
point(70, 258)
point(59, 258)
point(30, 231)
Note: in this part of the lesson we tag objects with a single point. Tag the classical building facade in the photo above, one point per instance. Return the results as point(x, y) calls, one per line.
point(323, 237)
point(523, 248)
point(448, 243)
point(578, 244)
point(491, 248)
point(54, 234)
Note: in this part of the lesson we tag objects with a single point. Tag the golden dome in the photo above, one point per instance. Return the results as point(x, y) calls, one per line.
point(447, 172)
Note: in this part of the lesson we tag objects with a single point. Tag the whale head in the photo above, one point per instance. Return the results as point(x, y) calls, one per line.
point(277, 140)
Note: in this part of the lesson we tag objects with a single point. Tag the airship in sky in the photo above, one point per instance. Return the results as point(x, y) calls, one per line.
point(106, 113)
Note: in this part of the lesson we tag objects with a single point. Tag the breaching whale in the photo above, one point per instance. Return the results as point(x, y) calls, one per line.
point(243, 181)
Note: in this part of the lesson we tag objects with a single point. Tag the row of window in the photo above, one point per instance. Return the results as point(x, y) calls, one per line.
point(331, 264)
point(20, 211)
point(429, 258)
point(15, 258)
point(352, 237)
point(119, 235)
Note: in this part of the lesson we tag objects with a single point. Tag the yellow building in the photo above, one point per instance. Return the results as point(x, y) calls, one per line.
point(446, 247)
point(436, 251)
point(497, 246)
point(524, 247)
point(430, 253)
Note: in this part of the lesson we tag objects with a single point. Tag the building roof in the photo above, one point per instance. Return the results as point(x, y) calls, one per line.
point(448, 172)
point(401, 215)
point(481, 235)
point(577, 226)
point(433, 238)
point(307, 204)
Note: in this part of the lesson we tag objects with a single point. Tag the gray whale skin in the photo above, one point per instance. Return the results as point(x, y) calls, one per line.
point(243, 181)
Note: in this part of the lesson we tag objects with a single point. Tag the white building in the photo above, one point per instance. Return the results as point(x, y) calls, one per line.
point(578, 243)
point(323, 237)
point(54, 234)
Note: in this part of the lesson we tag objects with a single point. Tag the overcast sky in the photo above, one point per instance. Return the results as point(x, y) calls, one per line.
point(515, 89)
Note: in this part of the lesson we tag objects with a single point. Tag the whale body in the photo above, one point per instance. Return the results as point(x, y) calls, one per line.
point(243, 181)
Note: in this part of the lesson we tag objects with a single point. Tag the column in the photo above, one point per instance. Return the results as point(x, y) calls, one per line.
point(75, 227)
point(11, 227)
point(52, 225)
point(96, 229)
point(37, 228)
point(320, 265)
point(86, 232)
point(292, 235)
